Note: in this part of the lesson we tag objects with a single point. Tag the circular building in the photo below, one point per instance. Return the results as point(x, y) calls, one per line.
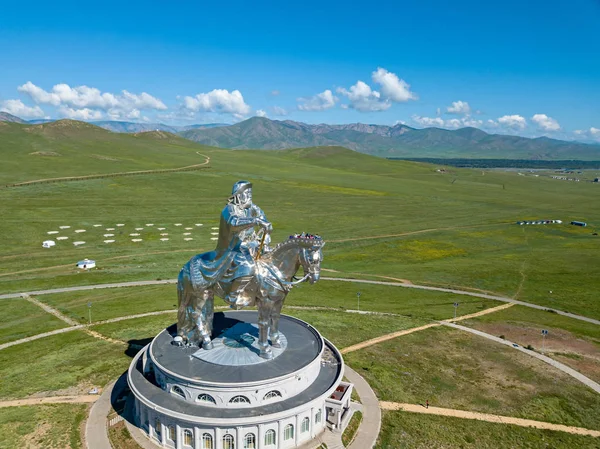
point(229, 397)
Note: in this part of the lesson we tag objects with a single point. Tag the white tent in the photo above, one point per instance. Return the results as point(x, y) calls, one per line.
point(48, 243)
point(86, 264)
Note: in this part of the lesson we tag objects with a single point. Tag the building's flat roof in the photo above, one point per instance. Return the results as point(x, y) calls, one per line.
point(304, 344)
point(328, 375)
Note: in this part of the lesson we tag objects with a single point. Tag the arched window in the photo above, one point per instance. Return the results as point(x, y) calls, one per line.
point(228, 442)
point(157, 427)
point(206, 398)
point(318, 416)
point(288, 432)
point(271, 395)
point(239, 400)
point(249, 441)
point(188, 437)
point(270, 438)
point(172, 434)
point(305, 425)
point(207, 441)
point(178, 391)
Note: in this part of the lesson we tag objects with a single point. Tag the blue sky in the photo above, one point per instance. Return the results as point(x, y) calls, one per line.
point(529, 68)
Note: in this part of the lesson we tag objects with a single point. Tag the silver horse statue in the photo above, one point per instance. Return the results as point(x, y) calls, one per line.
point(268, 288)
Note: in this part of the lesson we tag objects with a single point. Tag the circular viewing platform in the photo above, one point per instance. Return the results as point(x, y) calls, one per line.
point(229, 394)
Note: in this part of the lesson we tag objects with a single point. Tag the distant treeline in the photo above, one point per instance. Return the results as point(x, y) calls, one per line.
point(504, 163)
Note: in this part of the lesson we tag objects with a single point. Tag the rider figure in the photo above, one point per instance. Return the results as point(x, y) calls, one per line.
point(237, 236)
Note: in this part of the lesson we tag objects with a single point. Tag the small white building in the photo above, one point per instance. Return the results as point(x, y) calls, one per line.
point(48, 243)
point(86, 264)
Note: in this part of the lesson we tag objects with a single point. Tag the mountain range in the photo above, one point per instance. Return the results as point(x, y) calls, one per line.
point(391, 141)
point(378, 140)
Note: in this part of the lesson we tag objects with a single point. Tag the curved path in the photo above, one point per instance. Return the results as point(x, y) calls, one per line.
point(113, 175)
point(414, 408)
point(564, 368)
point(359, 281)
point(85, 399)
point(368, 431)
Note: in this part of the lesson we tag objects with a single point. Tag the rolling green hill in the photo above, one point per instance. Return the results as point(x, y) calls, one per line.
point(390, 141)
point(73, 148)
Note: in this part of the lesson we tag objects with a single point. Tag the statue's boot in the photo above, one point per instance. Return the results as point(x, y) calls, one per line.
point(237, 297)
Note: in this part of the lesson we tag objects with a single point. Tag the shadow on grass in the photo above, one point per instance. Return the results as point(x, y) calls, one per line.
point(134, 346)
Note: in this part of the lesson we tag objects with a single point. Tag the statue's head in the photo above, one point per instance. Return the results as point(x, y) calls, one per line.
point(241, 194)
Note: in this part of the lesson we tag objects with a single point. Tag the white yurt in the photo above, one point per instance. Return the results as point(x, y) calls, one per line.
point(48, 243)
point(86, 264)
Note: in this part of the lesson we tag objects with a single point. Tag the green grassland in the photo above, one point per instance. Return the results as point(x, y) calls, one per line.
point(45, 426)
point(113, 302)
point(454, 369)
point(398, 219)
point(72, 360)
point(20, 319)
point(453, 228)
point(406, 430)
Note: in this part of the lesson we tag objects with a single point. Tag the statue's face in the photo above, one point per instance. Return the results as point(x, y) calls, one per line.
point(246, 198)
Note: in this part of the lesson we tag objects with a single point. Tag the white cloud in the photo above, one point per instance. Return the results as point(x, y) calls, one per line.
point(399, 122)
point(438, 111)
point(279, 111)
point(364, 99)
point(18, 108)
point(260, 113)
point(594, 131)
point(459, 107)
point(275, 92)
point(392, 87)
point(545, 123)
point(428, 121)
point(80, 114)
point(513, 121)
point(578, 132)
point(81, 97)
point(218, 100)
point(320, 102)
point(120, 114)
point(453, 123)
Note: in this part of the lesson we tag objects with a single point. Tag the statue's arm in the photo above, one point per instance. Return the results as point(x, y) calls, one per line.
point(264, 222)
point(236, 222)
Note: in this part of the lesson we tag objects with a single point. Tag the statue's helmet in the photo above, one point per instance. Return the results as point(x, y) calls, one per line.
point(239, 187)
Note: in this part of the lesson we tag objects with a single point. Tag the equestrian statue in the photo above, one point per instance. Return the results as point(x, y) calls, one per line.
point(245, 271)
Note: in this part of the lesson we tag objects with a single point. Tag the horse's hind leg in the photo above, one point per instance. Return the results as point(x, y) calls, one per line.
point(264, 316)
point(274, 323)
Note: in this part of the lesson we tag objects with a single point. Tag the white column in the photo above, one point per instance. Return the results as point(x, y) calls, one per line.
point(311, 424)
point(297, 430)
point(197, 436)
point(238, 438)
point(218, 440)
point(261, 436)
point(178, 436)
point(279, 435)
point(163, 433)
point(151, 432)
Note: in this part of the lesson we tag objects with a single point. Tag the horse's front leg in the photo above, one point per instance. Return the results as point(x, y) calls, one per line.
point(274, 321)
point(264, 316)
point(204, 319)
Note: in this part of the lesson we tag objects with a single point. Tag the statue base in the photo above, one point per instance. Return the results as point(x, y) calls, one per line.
point(229, 397)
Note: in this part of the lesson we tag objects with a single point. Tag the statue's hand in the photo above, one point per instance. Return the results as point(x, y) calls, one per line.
point(268, 227)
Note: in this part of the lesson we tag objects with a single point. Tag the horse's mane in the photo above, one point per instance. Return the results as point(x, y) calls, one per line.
point(311, 240)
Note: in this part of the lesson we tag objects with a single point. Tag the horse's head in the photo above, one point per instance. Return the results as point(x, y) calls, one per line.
point(311, 255)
